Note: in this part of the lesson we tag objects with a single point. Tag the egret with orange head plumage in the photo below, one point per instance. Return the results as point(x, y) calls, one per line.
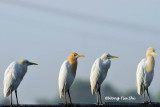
point(67, 74)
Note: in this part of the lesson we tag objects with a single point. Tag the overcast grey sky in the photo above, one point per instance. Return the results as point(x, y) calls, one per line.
point(47, 31)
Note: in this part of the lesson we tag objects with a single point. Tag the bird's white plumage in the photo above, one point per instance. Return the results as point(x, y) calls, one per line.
point(143, 77)
point(98, 72)
point(13, 76)
point(66, 77)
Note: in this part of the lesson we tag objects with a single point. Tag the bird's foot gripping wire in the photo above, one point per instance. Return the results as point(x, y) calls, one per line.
point(19, 105)
point(15, 105)
point(61, 104)
point(66, 104)
point(150, 103)
point(147, 102)
point(97, 103)
point(11, 105)
point(101, 104)
point(69, 104)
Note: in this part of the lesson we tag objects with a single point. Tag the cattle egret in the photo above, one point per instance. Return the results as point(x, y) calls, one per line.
point(67, 74)
point(14, 75)
point(145, 72)
point(98, 74)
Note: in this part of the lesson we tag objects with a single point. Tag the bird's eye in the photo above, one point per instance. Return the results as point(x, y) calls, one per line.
point(75, 54)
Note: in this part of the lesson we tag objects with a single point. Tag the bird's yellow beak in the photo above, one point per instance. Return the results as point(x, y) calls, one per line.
point(155, 53)
point(80, 56)
point(31, 63)
point(114, 57)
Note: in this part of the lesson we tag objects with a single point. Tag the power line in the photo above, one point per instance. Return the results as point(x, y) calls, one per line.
point(84, 17)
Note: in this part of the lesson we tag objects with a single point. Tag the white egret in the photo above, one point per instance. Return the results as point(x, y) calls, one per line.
point(67, 74)
point(145, 72)
point(14, 75)
point(98, 74)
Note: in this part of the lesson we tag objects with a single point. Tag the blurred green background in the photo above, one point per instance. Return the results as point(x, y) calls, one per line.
point(81, 93)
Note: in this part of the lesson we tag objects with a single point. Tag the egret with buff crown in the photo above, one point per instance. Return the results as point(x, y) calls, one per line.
point(67, 74)
point(145, 72)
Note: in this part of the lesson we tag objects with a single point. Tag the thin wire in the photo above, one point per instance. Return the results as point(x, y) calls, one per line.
point(84, 17)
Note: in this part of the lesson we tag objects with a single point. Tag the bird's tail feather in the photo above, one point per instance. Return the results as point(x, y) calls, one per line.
point(6, 93)
point(140, 90)
point(94, 89)
point(61, 92)
point(61, 95)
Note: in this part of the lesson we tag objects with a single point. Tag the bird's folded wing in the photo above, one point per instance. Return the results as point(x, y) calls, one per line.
point(140, 76)
point(95, 74)
point(9, 78)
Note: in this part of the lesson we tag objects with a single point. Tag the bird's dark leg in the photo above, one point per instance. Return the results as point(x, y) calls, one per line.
point(97, 99)
point(144, 94)
point(97, 89)
point(16, 97)
point(69, 97)
point(11, 97)
point(100, 95)
point(65, 95)
point(148, 96)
